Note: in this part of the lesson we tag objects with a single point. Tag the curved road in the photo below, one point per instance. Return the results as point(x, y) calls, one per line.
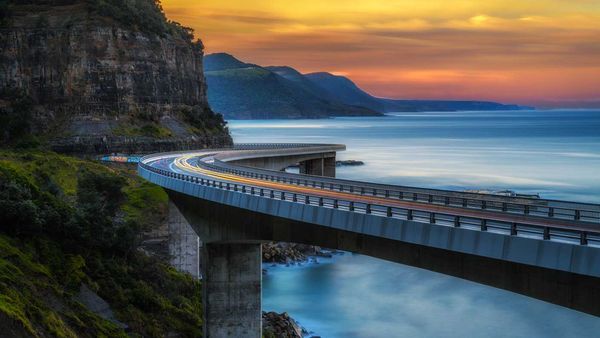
point(546, 249)
point(547, 219)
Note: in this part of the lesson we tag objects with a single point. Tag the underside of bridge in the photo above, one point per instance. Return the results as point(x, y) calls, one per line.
point(218, 223)
point(231, 270)
point(230, 238)
point(321, 164)
point(320, 167)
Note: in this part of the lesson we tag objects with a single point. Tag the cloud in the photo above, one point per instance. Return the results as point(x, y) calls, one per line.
point(256, 18)
point(508, 50)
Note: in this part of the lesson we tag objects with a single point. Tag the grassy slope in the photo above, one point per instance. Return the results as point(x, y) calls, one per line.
point(40, 273)
point(34, 303)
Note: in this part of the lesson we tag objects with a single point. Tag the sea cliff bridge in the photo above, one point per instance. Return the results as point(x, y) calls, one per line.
point(236, 198)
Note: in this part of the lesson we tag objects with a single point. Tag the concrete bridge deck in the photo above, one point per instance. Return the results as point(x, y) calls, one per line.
point(542, 248)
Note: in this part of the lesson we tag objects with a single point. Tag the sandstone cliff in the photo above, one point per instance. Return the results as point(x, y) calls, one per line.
point(103, 78)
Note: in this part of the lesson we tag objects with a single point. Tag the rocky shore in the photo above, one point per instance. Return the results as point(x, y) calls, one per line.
point(287, 253)
point(348, 163)
point(342, 163)
point(280, 325)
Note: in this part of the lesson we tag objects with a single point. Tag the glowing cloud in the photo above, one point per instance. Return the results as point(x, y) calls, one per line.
point(542, 52)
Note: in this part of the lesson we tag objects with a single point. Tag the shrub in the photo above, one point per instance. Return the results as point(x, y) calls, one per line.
point(20, 214)
point(16, 117)
point(99, 197)
point(204, 118)
point(86, 235)
point(4, 13)
point(144, 15)
point(100, 192)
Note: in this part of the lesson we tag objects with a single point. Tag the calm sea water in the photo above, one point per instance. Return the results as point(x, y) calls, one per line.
point(553, 153)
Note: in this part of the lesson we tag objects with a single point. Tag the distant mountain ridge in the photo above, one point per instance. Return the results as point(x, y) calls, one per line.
point(224, 61)
point(393, 105)
point(242, 90)
point(346, 91)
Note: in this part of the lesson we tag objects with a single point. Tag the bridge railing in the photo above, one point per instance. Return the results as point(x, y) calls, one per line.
point(584, 234)
point(267, 146)
point(536, 207)
point(529, 207)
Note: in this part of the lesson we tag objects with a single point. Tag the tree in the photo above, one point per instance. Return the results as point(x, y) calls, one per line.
point(16, 117)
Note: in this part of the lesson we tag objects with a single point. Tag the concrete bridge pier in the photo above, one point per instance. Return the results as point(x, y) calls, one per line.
point(184, 243)
point(231, 274)
point(324, 166)
point(232, 278)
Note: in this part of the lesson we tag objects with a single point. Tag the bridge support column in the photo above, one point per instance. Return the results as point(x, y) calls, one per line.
point(232, 278)
point(329, 166)
point(319, 167)
point(312, 167)
point(184, 244)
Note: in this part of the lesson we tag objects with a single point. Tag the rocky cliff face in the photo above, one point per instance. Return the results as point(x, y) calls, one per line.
point(101, 86)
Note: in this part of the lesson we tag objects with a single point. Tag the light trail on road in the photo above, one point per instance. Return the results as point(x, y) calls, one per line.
point(182, 163)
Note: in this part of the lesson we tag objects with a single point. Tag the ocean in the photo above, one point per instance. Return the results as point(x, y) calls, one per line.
point(555, 154)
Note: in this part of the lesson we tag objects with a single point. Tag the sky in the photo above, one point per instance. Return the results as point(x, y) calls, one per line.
point(537, 52)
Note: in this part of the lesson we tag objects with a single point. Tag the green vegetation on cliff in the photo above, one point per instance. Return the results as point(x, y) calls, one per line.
point(34, 303)
point(4, 12)
point(71, 230)
point(16, 117)
point(67, 222)
point(144, 15)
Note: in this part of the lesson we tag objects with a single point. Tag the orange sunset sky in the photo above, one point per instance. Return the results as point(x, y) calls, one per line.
point(538, 52)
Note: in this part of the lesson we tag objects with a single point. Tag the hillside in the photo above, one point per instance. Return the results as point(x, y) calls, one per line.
point(240, 90)
point(346, 91)
point(70, 235)
point(88, 77)
point(224, 61)
point(243, 90)
point(101, 76)
point(391, 105)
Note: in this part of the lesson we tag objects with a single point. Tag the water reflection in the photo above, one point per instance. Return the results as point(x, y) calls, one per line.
point(554, 153)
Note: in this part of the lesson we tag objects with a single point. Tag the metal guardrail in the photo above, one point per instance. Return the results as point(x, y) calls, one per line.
point(267, 146)
point(575, 235)
point(534, 207)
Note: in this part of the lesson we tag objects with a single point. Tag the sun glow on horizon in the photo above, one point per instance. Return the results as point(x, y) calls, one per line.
point(529, 52)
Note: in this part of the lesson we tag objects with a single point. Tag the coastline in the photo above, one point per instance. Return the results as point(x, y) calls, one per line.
point(446, 151)
point(283, 256)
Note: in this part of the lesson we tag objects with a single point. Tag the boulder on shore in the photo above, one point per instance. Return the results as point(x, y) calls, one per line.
point(348, 163)
point(284, 253)
point(280, 325)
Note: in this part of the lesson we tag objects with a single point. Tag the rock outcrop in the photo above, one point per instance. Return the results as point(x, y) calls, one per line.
point(280, 325)
point(284, 253)
point(102, 84)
